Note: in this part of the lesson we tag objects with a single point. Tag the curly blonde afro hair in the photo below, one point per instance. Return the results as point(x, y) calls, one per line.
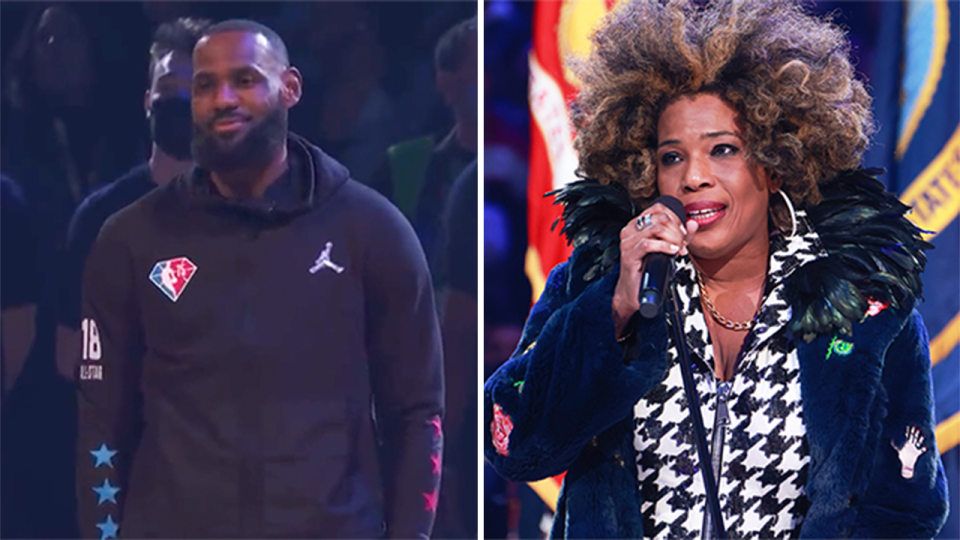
point(803, 114)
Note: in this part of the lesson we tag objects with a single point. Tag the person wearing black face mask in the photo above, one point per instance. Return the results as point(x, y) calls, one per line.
point(170, 124)
point(167, 105)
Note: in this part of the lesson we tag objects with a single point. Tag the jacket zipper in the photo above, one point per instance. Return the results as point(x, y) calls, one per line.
point(720, 423)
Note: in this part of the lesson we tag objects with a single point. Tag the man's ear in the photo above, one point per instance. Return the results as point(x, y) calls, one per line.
point(146, 102)
point(291, 87)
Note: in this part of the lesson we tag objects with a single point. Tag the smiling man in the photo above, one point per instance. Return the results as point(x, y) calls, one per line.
point(261, 353)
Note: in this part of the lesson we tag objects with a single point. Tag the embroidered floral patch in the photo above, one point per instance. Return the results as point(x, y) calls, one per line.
point(839, 347)
point(876, 306)
point(501, 428)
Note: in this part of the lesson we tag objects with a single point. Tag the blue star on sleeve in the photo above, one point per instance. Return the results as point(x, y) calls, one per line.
point(103, 456)
point(108, 528)
point(106, 492)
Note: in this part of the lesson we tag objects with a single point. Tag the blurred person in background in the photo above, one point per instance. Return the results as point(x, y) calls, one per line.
point(456, 71)
point(18, 310)
point(65, 137)
point(411, 42)
point(358, 118)
point(506, 56)
point(349, 112)
point(67, 129)
point(20, 283)
point(417, 174)
point(166, 104)
point(261, 354)
point(457, 511)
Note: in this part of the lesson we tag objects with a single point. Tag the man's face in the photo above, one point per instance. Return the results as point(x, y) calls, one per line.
point(459, 87)
point(239, 101)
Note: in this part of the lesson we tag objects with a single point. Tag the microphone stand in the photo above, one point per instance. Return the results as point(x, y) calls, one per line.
point(693, 402)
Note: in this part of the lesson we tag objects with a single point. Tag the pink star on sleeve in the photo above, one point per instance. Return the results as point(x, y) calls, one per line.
point(435, 462)
point(431, 500)
point(437, 426)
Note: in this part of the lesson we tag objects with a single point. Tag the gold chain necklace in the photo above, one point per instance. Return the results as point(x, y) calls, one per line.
point(724, 322)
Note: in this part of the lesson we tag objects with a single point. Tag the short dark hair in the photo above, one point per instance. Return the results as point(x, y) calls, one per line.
point(452, 45)
point(180, 35)
point(253, 27)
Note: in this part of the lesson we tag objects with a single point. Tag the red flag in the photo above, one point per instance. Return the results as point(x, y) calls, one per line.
point(560, 30)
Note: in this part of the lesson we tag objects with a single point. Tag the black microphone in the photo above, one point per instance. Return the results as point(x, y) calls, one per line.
point(657, 267)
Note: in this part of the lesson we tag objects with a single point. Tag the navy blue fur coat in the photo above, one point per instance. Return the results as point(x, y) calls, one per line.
point(564, 401)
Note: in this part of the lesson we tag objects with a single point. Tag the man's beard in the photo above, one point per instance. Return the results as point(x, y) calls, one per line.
point(253, 151)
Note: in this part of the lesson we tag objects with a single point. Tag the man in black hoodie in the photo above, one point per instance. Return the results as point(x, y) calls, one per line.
point(261, 355)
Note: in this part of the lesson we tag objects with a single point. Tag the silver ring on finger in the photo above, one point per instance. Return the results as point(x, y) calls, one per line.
point(644, 221)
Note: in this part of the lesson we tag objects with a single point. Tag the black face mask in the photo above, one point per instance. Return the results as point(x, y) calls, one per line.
point(171, 126)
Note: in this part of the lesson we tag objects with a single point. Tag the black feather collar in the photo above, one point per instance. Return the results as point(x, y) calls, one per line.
point(874, 252)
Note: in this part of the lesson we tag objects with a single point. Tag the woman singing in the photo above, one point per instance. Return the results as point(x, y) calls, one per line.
point(796, 276)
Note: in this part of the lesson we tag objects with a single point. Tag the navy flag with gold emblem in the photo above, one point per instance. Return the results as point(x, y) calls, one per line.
point(916, 86)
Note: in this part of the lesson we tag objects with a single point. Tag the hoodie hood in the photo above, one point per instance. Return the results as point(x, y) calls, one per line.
point(311, 177)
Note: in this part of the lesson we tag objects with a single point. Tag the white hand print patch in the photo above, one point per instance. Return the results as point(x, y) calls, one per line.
point(912, 449)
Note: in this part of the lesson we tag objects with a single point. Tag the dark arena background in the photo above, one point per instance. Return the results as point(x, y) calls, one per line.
point(74, 77)
point(906, 51)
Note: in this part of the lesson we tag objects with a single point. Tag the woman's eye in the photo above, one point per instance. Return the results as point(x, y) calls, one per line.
point(724, 150)
point(669, 158)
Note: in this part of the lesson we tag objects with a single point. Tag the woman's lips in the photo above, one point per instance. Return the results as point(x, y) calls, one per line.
point(705, 213)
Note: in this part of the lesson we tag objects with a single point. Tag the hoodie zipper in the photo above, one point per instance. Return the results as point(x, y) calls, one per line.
point(250, 443)
point(720, 423)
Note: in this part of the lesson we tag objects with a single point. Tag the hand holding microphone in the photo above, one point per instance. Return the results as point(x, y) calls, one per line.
point(647, 243)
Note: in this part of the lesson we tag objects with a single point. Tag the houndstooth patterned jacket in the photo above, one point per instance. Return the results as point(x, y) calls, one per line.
point(565, 400)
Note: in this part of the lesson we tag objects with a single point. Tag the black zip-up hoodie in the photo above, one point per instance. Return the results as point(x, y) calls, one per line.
point(265, 368)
